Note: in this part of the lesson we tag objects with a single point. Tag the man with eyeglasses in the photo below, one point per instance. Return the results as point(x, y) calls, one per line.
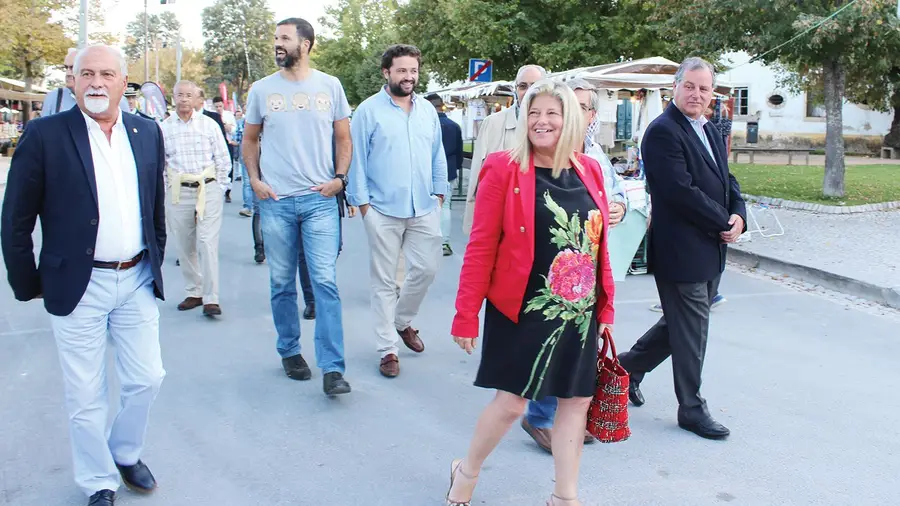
point(498, 133)
point(63, 99)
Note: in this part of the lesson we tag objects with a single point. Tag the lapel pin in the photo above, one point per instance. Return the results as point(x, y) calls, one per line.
point(134, 130)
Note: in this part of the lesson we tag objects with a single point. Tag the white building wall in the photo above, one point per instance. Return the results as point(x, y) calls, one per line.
point(790, 120)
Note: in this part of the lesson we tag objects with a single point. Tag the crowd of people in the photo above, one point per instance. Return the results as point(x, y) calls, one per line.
point(111, 187)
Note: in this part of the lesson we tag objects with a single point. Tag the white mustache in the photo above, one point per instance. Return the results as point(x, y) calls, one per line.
point(96, 92)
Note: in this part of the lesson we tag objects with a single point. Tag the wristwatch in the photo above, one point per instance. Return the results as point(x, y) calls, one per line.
point(343, 179)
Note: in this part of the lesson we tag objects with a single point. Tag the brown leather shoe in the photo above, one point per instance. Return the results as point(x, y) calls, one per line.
point(390, 366)
point(540, 436)
point(190, 303)
point(588, 438)
point(411, 339)
point(212, 310)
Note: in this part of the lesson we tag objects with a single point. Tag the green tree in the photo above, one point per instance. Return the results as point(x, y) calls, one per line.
point(193, 67)
point(557, 34)
point(162, 29)
point(852, 46)
point(32, 40)
point(360, 32)
point(238, 47)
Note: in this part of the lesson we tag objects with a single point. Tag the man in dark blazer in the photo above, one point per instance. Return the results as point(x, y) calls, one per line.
point(697, 211)
point(451, 134)
point(94, 176)
point(201, 99)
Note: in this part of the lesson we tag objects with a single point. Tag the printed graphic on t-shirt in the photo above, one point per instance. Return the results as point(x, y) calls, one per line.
point(323, 102)
point(301, 101)
point(276, 102)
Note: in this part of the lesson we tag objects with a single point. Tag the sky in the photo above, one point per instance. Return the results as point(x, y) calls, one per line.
point(120, 12)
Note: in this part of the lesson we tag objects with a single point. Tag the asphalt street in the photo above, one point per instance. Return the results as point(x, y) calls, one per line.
point(808, 387)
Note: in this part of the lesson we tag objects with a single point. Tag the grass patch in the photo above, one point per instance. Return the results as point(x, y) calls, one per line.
point(467, 146)
point(863, 184)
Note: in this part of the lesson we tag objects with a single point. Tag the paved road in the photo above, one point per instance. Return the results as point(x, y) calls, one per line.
point(803, 382)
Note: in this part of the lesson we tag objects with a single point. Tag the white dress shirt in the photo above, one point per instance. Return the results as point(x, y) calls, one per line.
point(697, 125)
point(194, 145)
point(120, 234)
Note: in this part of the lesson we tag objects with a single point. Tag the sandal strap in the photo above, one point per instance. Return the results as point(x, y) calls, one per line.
point(465, 475)
point(554, 497)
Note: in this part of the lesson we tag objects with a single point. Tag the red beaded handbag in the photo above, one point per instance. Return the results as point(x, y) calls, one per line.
point(607, 418)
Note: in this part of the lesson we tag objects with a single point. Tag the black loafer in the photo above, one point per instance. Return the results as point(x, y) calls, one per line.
point(334, 384)
point(103, 498)
point(634, 392)
point(309, 312)
point(138, 477)
point(705, 428)
point(296, 368)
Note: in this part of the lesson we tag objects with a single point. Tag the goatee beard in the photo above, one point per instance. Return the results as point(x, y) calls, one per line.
point(398, 91)
point(96, 105)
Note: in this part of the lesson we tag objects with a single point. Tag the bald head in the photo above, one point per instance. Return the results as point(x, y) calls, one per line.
point(100, 79)
point(69, 64)
point(185, 94)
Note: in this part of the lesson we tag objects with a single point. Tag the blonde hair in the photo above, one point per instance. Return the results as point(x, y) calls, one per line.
point(571, 139)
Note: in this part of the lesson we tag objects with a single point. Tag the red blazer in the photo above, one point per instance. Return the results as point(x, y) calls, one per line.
point(500, 254)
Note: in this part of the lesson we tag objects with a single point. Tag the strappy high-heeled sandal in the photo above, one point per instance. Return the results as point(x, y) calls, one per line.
point(456, 467)
point(554, 498)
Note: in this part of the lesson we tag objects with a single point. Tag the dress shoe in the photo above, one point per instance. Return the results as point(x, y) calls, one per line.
point(177, 263)
point(296, 368)
point(334, 384)
point(103, 498)
point(411, 339)
point(390, 366)
point(212, 310)
point(190, 303)
point(309, 312)
point(634, 392)
point(540, 436)
point(589, 438)
point(705, 428)
point(138, 477)
point(228, 197)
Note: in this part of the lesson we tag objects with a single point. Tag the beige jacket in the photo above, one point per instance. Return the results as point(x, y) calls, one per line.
point(497, 133)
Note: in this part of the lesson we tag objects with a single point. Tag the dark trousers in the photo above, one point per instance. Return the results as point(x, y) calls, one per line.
point(682, 334)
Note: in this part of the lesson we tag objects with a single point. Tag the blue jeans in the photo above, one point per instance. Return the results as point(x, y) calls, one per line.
point(305, 283)
point(541, 413)
point(314, 220)
point(251, 202)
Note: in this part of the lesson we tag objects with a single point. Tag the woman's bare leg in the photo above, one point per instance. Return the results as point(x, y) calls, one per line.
point(494, 422)
point(567, 442)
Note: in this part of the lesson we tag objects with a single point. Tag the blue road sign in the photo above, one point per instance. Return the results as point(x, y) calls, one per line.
point(481, 70)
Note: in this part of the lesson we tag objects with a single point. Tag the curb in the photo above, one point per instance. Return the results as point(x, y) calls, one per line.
point(821, 208)
point(880, 294)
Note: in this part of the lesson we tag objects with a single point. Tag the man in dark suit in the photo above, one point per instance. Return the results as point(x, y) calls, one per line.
point(94, 176)
point(697, 211)
point(451, 134)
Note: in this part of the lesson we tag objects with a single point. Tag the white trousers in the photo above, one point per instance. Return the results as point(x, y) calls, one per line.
point(117, 306)
point(395, 304)
point(201, 273)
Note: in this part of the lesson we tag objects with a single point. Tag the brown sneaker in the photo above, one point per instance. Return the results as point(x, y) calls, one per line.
point(212, 310)
point(190, 303)
point(411, 339)
point(540, 436)
point(588, 438)
point(390, 366)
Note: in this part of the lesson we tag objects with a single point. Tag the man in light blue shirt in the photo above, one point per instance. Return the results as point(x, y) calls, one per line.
point(398, 179)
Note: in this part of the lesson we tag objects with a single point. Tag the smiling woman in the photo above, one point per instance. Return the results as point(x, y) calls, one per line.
point(538, 254)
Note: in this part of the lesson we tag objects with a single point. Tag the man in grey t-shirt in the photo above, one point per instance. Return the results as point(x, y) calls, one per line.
point(297, 174)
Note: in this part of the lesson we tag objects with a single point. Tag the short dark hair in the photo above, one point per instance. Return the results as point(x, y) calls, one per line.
point(304, 29)
point(218, 99)
point(398, 50)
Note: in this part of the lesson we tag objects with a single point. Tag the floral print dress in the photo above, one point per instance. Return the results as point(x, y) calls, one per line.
point(552, 351)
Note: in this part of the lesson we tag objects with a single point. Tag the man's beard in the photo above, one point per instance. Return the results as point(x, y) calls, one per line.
point(289, 59)
point(397, 88)
point(96, 105)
